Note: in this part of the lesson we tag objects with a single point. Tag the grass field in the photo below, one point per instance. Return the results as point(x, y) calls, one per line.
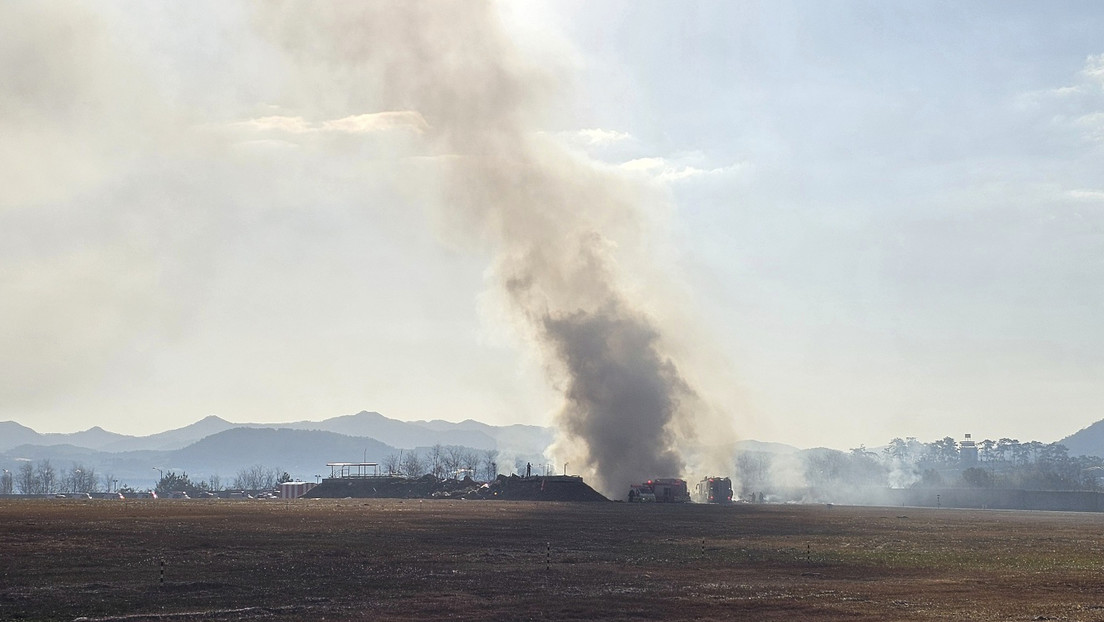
point(423, 560)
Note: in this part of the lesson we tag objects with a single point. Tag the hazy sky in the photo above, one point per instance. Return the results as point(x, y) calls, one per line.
point(874, 219)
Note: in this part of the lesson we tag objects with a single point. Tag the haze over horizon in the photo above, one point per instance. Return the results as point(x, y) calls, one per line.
point(862, 221)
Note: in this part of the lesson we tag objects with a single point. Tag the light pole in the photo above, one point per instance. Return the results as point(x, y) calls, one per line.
point(160, 473)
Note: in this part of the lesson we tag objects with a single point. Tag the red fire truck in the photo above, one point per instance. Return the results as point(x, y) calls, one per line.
point(660, 491)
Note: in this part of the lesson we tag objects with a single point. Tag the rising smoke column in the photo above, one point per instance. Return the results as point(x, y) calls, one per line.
point(622, 395)
point(561, 229)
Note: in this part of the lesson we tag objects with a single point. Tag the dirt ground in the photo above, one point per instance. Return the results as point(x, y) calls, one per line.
point(373, 559)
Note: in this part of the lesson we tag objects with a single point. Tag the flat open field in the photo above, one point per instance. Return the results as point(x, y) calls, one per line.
point(424, 560)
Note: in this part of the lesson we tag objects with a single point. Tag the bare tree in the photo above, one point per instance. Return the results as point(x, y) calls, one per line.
point(214, 483)
point(412, 465)
point(7, 483)
point(470, 462)
point(47, 477)
point(391, 463)
point(27, 479)
point(490, 464)
point(80, 478)
point(454, 458)
point(88, 481)
point(460, 462)
point(257, 477)
point(754, 470)
point(437, 461)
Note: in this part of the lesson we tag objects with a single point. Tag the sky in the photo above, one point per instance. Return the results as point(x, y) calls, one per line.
point(852, 221)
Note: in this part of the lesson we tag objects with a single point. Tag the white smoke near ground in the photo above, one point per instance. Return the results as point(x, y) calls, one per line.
point(902, 472)
point(569, 239)
point(822, 475)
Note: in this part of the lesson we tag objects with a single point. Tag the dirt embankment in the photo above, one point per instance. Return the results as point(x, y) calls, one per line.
point(511, 488)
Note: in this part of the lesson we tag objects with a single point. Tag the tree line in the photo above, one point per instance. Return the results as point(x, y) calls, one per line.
point(36, 478)
point(444, 462)
point(910, 463)
point(253, 478)
point(1002, 463)
point(1003, 452)
point(42, 477)
point(441, 461)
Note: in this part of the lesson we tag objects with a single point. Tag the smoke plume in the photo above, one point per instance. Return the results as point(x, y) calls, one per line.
point(563, 231)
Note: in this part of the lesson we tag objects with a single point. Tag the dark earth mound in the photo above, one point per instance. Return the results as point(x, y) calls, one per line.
point(505, 488)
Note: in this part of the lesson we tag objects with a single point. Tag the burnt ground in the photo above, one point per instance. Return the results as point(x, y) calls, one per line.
point(371, 559)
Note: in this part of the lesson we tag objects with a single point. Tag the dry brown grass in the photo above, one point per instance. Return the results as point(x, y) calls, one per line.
point(422, 560)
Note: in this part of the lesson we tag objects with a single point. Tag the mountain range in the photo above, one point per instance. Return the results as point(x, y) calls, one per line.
point(214, 446)
point(1086, 441)
point(408, 434)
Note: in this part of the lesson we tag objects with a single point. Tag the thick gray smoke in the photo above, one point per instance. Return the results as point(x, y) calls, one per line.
point(622, 396)
point(563, 231)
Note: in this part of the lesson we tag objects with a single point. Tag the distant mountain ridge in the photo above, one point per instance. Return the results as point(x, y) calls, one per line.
point(13, 434)
point(402, 434)
point(302, 453)
point(1086, 441)
point(519, 438)
point(215, 446)
point(766, 447)
point(174, 439)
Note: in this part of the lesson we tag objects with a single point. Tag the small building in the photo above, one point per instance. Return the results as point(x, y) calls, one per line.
point(294, 490)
